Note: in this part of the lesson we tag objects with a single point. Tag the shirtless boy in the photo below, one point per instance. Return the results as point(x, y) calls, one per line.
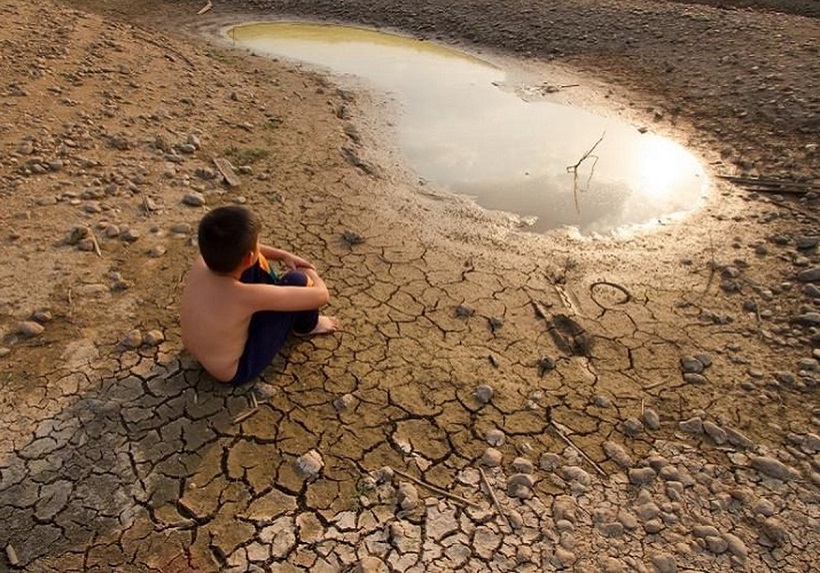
point(236, 313)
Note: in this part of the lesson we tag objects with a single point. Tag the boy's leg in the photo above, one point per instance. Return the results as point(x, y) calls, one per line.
point(269, 330)
point(305, 320)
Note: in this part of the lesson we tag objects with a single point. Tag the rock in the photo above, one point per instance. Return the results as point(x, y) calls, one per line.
point(774, 531)
point(407, 496)
point(736, 546)
point(30, 328)
point(738, 439)
point(692, 378)
point(807, 319)
point(523, 465)
point(483, 393)
point(664, 563)
point(491, 458)
point(809, 275)
point(633, 426)
point(692, 425)
point(193, 199)
point(716, 545)
point(371, 564)
point(352, 238)
point(132, 339)
point(691, 364)
point(4, 351)
point(130, 235)
point(157, 251)
point(495, 437)
point(153, 338)
point(641, 476)
point(715, 432)
point(342, 403)
point(617, 454)
point(774, 468)
point(181, 229)
point(651, 419)
point(549, 461)
point(309, 465)
point(562, 558)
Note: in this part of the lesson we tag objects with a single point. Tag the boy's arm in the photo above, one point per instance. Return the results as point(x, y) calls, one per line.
point(291, 260)
point(287, 298)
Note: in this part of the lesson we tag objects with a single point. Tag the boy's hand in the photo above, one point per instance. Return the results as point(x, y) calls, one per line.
point(294, 262)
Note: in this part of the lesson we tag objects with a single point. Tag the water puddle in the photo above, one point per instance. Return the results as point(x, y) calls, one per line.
point(461, 131)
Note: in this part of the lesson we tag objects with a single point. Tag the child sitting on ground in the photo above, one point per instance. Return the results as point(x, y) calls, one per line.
point(236, 313)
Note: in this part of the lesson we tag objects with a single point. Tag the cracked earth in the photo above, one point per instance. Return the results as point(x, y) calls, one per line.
point(496, 400)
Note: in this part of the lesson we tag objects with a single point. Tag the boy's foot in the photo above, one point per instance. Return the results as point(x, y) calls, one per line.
point(326, 325)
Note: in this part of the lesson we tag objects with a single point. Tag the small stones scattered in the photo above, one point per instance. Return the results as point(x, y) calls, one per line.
point(310, 465)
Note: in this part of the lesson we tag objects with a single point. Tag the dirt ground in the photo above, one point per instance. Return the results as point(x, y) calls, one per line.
point(662, 386)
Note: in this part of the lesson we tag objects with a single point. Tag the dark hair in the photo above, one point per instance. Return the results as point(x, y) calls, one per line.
point(226, 235)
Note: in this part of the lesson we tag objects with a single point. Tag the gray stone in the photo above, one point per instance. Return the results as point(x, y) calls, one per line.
point(633, 426)
point(484, 393)
point(736, 546)
point(495, 437)
point(664, 563)
point(617, 454)
point(716, 545)
point(549, 461)
point(563, 558)
point(193, 199)
point(705, 531)
point(491, 458)
point(576, 474)
point(30, 328)
point(807, 319)
point(692, 425)
point(715, 432)
point(641, 476)
point(736, 438)
point(309, 465)
point(523, 465)
point(691, 378)
point(132, 339)
point(153, 338)
point(651, 419)
point(809, 275)
point(774, 468)
point(653, 526)
point(691, 364)
point(407, 496)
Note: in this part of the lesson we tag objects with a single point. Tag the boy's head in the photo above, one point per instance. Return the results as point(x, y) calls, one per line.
point(226, 236)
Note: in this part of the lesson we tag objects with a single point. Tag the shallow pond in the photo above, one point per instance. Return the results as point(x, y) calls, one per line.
point(462, 131)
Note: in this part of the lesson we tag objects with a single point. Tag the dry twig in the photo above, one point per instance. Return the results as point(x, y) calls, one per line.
point(436, 489)
point(579, 450)
point(205, 8)
point(245, 415)
point(493, 497)
point(574, 170)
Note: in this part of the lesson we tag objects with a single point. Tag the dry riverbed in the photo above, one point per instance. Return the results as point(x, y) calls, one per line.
point(497, 400)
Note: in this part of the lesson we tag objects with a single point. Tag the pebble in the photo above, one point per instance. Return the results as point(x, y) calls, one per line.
point(309, 465)
point(692, 425)
point(651, 419)
point(181, 228)
point(641, 476)
point(716, 545)
point(153, 338)
point(407, 496)
point(809, 275)
point(774, 468)
point(691, 378)
point(371, 564)
point(495, 437)
point(664, 563)
point(4, 351)
point(715, 432)
point(130, 235)
point(30, 328)
point(483, 393)
point(132, 339)
point(691, 364)
point(549, 461)
point(491, 458)
point(523, 465)
point(618, 454)
point(342, 403)
point(194, 199)
point(633, 426)
point(157, 251)
point(736, 546)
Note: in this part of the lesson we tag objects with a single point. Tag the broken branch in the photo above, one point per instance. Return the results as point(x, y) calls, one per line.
point(493, 497)
point(571, 444)
point(436, 489)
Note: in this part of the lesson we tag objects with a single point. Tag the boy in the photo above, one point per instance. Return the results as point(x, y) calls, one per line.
point(236, 313)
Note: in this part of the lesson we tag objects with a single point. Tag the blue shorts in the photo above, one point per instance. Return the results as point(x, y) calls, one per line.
point(269, 329)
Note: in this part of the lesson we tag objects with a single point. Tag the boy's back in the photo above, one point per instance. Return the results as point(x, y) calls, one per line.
point(214, 320)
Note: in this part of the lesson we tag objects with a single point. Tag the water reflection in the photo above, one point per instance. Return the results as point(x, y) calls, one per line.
point(460, 131)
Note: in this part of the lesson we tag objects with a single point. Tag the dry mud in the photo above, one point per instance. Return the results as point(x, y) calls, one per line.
point(646, 403)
